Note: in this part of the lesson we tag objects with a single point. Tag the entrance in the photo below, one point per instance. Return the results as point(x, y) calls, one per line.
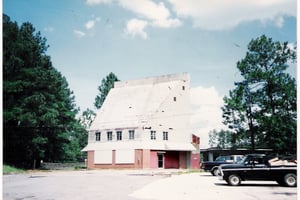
point(160, 160)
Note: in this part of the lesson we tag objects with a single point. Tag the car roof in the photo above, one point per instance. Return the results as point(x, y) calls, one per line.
point(256, 155)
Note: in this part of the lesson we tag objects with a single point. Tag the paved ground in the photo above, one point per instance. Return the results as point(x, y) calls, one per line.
point(134, 185)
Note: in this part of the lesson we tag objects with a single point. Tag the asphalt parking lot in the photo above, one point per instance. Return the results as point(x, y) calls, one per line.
point(134, 185)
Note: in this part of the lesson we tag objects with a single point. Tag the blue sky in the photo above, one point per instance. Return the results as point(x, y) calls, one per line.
point(140, 38)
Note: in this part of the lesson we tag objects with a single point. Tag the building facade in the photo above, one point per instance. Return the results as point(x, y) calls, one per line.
point(144, 124)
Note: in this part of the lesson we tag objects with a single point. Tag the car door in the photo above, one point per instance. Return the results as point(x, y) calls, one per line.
point(257, 169)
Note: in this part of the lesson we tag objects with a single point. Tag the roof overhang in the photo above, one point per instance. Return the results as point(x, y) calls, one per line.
point(166, 146)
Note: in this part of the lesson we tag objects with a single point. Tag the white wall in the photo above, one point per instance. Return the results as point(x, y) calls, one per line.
point(125, 156)
point(103, 157)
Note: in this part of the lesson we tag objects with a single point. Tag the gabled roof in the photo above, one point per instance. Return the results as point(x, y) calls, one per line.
point(130, 103)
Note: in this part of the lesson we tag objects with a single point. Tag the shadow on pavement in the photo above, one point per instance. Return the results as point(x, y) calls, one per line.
point(207, 175)
point(285, 193)
point(250, 185)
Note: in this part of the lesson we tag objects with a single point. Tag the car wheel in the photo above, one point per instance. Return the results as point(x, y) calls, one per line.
point(234, 180)
point(290, 180)
point(215, 172)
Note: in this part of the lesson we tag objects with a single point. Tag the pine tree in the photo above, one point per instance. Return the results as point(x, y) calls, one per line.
point(106, 84)
point(38, 107)
point(262, 106)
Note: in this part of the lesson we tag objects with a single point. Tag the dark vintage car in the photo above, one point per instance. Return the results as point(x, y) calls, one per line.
point(212, 166)
point(260, 167)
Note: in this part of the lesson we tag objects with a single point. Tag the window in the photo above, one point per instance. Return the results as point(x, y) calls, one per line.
point(165, 136)
point(109, 136)
point(174, 98)
point(183, 87)
point(153, 135)
point(119, 135)
point(131, 134)
point(98, 136)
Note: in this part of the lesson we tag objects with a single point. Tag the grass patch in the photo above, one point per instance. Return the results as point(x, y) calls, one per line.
point(12, 170)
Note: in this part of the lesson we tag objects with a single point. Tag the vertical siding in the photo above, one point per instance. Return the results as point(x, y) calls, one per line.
point(153, 159)
point(195, 161)
point(90, 160)
point(182, 160)
point(146, 157)
point(138, 158)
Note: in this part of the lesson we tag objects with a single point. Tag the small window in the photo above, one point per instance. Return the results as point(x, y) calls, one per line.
point(183, 87)
point(109, 136)
point(153, 135)
point(131, 134)
point(174, 98)
point(119, 135)
point(98, 136)
point(165, 136)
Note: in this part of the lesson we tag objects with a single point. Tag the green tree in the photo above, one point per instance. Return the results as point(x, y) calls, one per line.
point(262, 107)
point(38, 107)
point(106, 84)
point(87, 118)
point(222, 139)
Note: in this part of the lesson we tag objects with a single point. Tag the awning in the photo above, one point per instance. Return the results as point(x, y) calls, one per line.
point(166, 146)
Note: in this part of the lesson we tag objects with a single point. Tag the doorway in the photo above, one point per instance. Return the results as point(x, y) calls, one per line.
point(160, 160)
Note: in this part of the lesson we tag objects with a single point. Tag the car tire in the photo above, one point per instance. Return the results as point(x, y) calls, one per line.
point(234, 180)
point(215, 172)
point(290, 180)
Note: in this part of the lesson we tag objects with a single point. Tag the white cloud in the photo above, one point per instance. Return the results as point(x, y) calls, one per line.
point(279, 21)
point(206, 112)
point(156, 13)
point(209, 15)
point(226, 14)
point(95, 2)
point(166, 23)
point(78, 34)
point(135, 27)
point(90, 24)
point(49, 29)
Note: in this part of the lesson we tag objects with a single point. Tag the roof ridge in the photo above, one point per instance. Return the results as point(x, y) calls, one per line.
point(153, 80)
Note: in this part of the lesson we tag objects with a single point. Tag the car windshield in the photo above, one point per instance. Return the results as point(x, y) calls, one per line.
point(223, 158)
point(242, 160)
point(239, 159)
point(220, 158)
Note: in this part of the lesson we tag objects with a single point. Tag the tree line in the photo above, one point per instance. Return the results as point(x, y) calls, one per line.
point(39, 112)
point(39, 109)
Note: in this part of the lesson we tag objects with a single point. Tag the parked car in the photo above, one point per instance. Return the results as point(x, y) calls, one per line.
point(260, 167)
point(212, 166)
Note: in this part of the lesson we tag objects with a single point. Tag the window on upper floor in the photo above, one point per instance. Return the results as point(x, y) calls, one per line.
point(165, 135)
point(109, 136)
point(183, 87)
point(119, 135)
point(153, 135)
point(98, 136)
point(131, 134)
point(174, 98)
